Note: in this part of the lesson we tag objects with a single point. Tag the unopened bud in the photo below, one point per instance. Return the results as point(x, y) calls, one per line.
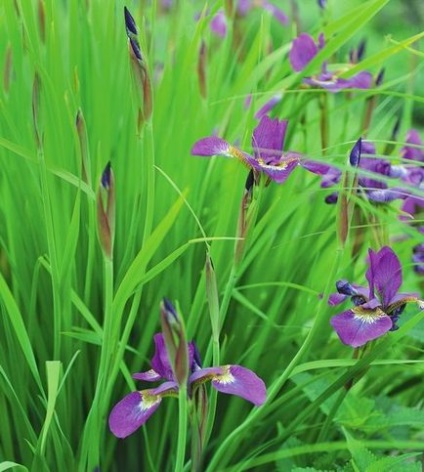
point(174, 335)
point(106, 211)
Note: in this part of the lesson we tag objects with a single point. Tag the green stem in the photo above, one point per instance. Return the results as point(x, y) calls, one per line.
point(182, 428)
point(321, 319)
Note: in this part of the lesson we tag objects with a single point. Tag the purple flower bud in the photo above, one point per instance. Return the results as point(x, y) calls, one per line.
point(355, 154)
point(135, 47)
point(130, 24)
point(380, 78)
point(322, 3)
point(106, 211)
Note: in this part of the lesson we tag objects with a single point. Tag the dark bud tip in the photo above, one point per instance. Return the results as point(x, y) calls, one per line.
point(332, 198)
point(169, 308)
point(135, 46)
point(250, 181)
point(380, 78)
point(355, 153)
point(396, 128)
point(361, 50)
point(345, 288)
point(105, 180)
point(322, 3)
point(130, 25)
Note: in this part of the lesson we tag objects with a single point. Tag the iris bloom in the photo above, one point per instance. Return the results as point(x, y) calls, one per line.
point(376, 307)
point(267, 142)
point(218, 23)
point(137, 407)
point(371, 183)
point(304, 50)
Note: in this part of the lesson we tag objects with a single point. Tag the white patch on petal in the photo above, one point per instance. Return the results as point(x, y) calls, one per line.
point(420, 304)
point(148, 401)
point(368, 316)
point(226, 377)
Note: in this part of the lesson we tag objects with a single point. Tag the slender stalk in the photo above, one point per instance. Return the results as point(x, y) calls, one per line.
point(182, 428)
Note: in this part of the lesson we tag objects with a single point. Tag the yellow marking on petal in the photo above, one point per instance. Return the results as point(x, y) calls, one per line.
point(148, 400)
point(226, 377)
point(368, 316)
point(236, 153)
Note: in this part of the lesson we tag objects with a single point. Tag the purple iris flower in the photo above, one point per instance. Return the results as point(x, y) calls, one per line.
point(218, 23)
point(267, 142)
point(137, 407)
point(413, 148)
point(376, 307)
point(418, 258)
point(304, 50)
point(373, 186)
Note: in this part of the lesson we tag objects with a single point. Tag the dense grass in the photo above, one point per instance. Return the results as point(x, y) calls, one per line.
point(75, 324)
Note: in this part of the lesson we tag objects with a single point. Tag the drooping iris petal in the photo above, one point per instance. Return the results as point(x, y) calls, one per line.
point(237, 380)
point(132, 412)
point(211, 146)
point(278, 14)
point(363, 80)
point(413, 148)
point(302, 52)
point(268, 106)
point(268, 139)
point(234, 380)
point(356, 329)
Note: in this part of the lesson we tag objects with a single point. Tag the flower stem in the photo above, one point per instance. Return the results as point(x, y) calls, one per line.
point(182, 428)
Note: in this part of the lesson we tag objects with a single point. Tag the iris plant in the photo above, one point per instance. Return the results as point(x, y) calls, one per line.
point(377, 307)
point(137, 407)
point(304, 49)
point(267, 142)
point(370, 183)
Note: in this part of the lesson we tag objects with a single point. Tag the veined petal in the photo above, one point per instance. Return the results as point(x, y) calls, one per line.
point(132, 412)
point(336, 298)
point(302, 52)
point(268, 139)
point(237, 380)
point(211, 146)
point(356, 327)
point(160, 361)
point(387, 274)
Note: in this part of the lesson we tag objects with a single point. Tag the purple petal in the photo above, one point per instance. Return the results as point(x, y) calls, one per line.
point(385, 274)
point(363, 80)
point(268, 139)
point(330, 174)
point(167, 388)
point(160, 361)
point(269, 105)
point(355, 153)
point(302, 52)
point(243, 7)
point(234, 380)
point(148, 376)
point(336, 298)
point(219, 24)
point(211, 146)
point(414, 153)
point(357, 329)
point(279, 173)
point(385, 195)
point(132, 412)
point(278, 14)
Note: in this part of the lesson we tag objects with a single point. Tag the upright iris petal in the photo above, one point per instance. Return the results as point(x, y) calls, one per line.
point(302, 52)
